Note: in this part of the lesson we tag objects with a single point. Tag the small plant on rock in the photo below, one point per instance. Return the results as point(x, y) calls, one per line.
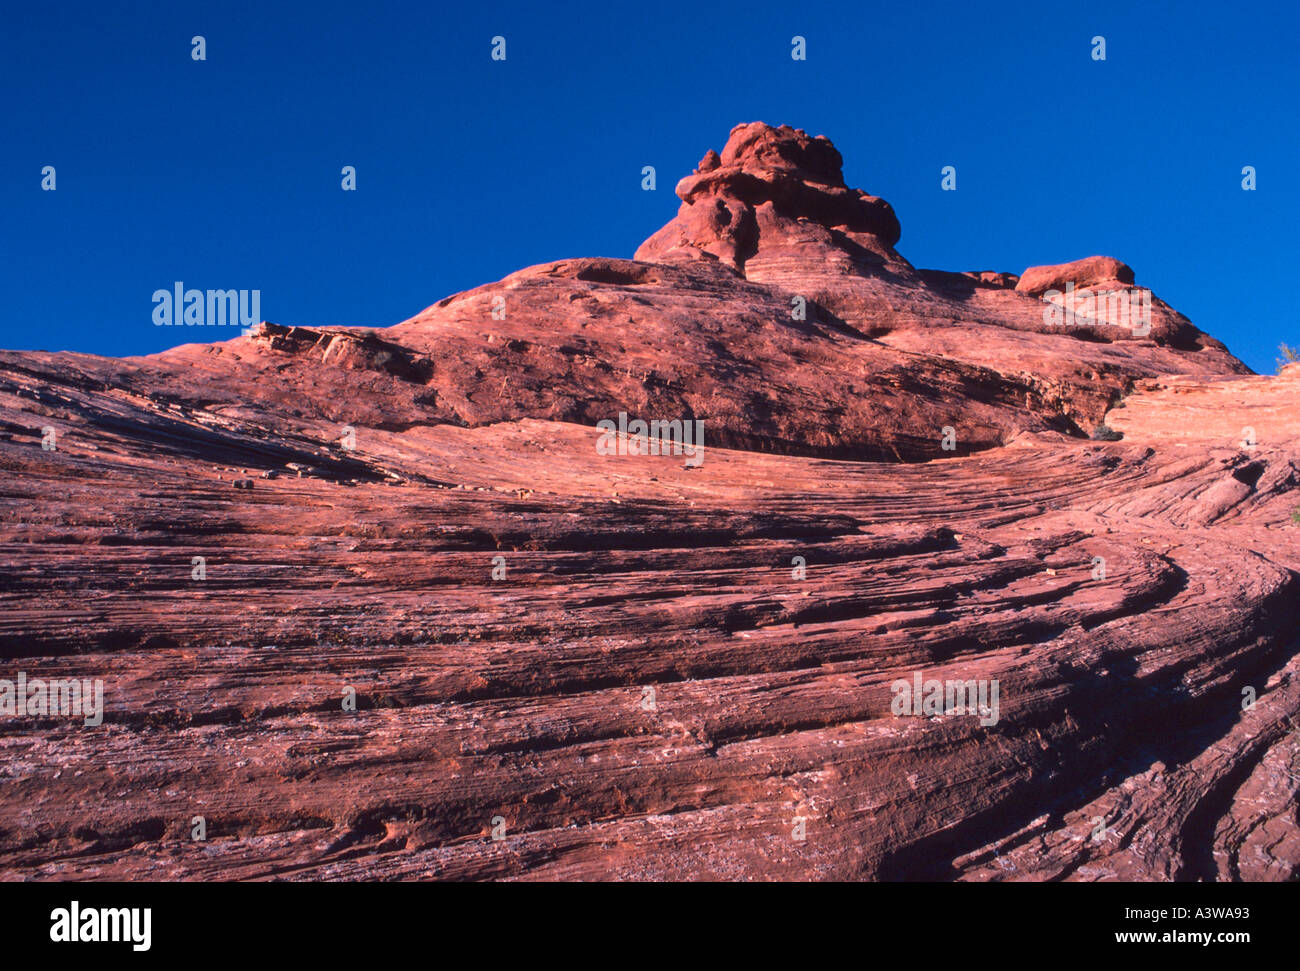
point(1287, 355)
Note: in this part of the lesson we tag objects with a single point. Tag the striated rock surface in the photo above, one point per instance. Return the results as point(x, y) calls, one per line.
point(569, 664)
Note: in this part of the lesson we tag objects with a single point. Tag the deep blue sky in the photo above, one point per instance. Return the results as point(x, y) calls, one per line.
point(225, 173)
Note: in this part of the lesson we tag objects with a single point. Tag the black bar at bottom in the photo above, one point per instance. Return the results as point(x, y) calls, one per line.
point(335, 921)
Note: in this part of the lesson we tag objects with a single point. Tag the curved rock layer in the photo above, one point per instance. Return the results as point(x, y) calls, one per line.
point(569, 664)
point(525, 697)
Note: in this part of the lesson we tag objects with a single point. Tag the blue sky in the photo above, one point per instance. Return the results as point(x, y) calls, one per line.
point(226, 173)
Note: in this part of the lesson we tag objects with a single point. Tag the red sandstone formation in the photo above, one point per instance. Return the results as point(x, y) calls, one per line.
point(1095, 271)
point(629, 667)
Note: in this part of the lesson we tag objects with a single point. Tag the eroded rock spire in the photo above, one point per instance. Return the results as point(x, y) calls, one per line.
point(775, 193)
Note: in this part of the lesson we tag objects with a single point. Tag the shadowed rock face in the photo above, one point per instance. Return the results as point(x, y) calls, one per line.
point(634, 667)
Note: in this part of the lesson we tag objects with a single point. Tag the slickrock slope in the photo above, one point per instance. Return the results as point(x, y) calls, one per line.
point(632, 666)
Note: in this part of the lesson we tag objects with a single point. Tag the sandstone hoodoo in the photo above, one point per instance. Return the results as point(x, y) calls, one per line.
point(771, 191)
point(773, 267)
point(941, 586)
